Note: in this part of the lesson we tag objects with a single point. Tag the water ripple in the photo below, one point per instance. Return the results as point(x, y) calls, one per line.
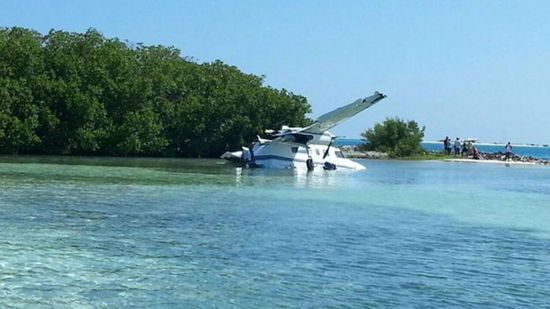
point(158, 238)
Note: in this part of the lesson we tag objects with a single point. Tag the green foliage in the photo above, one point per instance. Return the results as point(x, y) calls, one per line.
point(396, 137)
point(82, 93)
point(20, 63)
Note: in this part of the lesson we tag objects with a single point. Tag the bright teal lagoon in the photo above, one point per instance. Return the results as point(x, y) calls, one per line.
point(174, 233)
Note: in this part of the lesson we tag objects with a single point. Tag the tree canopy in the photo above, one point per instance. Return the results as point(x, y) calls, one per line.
point(396, 137)
point(83, 93)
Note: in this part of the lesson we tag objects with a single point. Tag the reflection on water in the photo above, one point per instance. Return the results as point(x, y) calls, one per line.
point(297, 178)
point(172, 233)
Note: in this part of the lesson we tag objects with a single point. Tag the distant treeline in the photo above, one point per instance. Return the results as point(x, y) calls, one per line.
point(83, 93)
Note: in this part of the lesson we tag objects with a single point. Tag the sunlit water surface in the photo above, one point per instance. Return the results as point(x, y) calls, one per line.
point(166, 233)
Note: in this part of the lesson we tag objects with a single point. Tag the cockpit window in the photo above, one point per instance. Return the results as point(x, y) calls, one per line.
point(339, 154)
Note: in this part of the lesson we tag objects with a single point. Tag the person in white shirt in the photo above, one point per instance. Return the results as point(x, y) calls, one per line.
point(457, 147)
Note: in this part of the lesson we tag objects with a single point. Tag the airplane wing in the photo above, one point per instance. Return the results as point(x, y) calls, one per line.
point(339, 115)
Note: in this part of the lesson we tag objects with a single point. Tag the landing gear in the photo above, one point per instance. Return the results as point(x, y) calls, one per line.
point(309, 161)
point(309, 164)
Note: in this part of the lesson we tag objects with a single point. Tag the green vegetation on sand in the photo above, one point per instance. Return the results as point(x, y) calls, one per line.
point(397, 137)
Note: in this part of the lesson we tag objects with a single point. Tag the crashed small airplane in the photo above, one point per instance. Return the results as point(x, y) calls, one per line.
point(310, 147)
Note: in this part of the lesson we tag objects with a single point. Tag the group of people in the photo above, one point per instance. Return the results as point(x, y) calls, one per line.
point(467, 148)
point(461, 148)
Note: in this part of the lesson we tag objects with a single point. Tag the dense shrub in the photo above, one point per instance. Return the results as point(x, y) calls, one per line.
point(82, 93)
point(396, 137)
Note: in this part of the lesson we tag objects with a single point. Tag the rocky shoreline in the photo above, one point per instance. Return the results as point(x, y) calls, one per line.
point(353, 152)
point(498, 157)
point(356, 154)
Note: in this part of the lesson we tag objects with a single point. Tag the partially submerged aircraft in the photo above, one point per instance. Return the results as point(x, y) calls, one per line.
point(310, 147)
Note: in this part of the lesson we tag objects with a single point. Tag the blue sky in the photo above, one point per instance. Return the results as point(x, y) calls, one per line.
point(461, 68)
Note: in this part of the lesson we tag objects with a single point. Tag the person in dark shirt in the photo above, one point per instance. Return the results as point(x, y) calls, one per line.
point(447, 145)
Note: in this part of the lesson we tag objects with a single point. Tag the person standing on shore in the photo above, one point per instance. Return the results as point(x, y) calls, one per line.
point(508, 151)
point(447, 145)
point(457, 147)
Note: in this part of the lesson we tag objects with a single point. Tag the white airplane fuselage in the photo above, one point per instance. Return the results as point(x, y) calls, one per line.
point(289, 154)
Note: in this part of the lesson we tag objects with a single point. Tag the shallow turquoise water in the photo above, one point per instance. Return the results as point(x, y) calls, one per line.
point(161, 233)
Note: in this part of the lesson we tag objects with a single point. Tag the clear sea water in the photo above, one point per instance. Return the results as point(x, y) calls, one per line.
point(530, 151)
point(168, 233)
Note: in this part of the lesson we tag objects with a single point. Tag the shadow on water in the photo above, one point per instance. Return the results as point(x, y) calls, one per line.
point(182, 171)
point(211, 165)
point(156, 171)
